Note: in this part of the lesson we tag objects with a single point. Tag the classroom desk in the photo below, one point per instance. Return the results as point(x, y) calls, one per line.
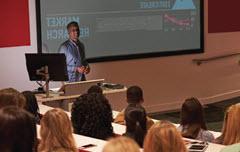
point(118, 129)
point(59, 95)
point(116, 98)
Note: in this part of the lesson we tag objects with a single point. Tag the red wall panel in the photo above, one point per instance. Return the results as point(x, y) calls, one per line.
point(223, 16)
point(14, 26)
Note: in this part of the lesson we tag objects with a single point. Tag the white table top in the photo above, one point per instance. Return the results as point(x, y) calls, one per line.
point(118, 129)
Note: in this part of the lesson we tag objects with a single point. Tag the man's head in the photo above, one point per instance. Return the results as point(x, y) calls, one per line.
point(73, 30)
point(134, 95)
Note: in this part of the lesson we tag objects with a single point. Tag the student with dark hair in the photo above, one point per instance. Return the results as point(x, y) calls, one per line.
point(92, 116)
point(192, 123)
point(134, 98)
point(11, 97)
point(73, 48)
point(32, 105)
point(95, 89)
point(135, 118)
point(17, 130)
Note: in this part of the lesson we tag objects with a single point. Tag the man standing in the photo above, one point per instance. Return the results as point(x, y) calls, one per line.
point(73, 49)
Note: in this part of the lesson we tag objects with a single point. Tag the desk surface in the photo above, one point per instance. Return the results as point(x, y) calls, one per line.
point(118, 129)
point(58, 96)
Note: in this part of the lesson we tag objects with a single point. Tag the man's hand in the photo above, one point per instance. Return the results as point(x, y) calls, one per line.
point(87, 70)
point(81, 69)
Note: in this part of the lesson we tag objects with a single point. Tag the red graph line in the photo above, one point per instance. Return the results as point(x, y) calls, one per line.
point(173, 19)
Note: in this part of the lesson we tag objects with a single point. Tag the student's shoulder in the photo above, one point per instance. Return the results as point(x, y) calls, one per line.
point(206, 135)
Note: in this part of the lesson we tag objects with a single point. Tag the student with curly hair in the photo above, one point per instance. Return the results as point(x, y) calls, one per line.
point(17, 130)
point(164, 137)
point(56, 132)
point(92, 116)
point(192, 123)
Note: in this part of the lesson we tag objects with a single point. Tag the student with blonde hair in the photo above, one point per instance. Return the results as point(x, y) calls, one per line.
point(230, 131)
point(164, 137)
point(56, 132)
point(121, 144)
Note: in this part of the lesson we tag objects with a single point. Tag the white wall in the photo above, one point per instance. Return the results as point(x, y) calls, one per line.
point(166, 81)
point(12, 59)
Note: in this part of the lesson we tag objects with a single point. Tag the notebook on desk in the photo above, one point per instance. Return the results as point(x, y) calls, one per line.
point(77, 88)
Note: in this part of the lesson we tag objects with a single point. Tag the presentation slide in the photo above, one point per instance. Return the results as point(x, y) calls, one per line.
point(110, 28)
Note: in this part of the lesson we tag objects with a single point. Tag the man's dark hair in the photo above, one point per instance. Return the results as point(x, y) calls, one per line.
point(95, 89)
point(73, 23)
point(134, 94)
point(92, 116)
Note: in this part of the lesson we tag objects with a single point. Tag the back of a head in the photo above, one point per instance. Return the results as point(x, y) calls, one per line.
point(17, 130)
point(31, 103)
point(121, 144)
point(92, 116)
point(11, 97)
point(231, 134)
point(134, 95)
point(163, 137)
point(136, 123)
point(192, 113)
point(56, 131)
point(95, 89)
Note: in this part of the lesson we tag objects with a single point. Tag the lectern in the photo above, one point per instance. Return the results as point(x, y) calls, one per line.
point(46, 67)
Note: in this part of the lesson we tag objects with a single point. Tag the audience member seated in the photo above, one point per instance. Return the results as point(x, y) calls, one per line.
point(164, 137)
point(192, 124)
point(56, 132)
point(92, 116)
point(17, 130)
point(32, 105)
point(231, 148)
point(134, 97)
point(230, 131)
point(95, 89)
point(135, 118)
point(121, 144)
point(11, 97)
